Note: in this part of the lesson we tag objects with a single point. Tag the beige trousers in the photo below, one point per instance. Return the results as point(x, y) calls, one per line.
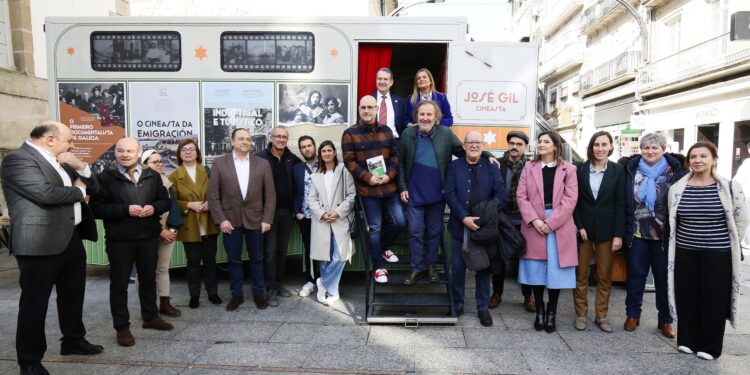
point(162, 268)
point(603, 254)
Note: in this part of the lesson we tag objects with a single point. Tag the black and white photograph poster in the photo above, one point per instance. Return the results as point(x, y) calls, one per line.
point(162, 114)
point(231, 105)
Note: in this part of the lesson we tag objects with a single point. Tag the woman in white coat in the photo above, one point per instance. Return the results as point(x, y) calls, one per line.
point(332, 203)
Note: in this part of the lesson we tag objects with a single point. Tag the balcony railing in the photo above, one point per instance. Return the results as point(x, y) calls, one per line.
point(563, 59)
point(600, 12)
point(620, 68)
point(556, 12)
point(705, 59)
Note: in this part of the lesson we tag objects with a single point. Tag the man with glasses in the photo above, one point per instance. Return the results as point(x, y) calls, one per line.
point(511, 165)
point(276, 240)
point(425, 153)
point(362, 143)
point(469, 181)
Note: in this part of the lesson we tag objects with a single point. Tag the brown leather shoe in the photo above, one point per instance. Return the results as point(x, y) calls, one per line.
point(260, 302)
point(158, 324)
point(528, 303)
point(495, 300)
point(234, 303)
point(631, 323)
point(125, 338)
point(167, 309)
point(666, 330)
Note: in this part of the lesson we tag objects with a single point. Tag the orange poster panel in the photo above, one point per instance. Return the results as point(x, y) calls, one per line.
point(494, 136)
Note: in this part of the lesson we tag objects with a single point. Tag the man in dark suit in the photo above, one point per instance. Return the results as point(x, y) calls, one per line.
point(130, 200)
point(242, 200)
point(303, 183)
point(390, 106)
point(45, 198)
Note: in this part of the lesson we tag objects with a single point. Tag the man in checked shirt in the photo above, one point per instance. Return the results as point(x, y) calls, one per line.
point(360, 142)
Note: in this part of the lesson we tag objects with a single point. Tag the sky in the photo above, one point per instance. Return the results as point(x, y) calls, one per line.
point(489, 20)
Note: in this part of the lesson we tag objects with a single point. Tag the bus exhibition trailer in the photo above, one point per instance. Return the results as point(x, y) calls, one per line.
point(163, 79)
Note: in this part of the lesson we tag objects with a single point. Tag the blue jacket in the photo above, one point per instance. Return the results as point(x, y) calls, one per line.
point(398, 111)
point(438, 98)
point(457, 190)
point(630, 171)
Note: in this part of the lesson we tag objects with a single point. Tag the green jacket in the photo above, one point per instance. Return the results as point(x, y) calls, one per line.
point(445, 143)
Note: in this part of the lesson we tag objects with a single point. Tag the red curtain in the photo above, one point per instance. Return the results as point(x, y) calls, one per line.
point(372, 56)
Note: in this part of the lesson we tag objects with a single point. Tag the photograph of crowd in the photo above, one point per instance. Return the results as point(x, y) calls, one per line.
point(107, 102)
point(268, 52)
point(136, 51)
point(320, 104)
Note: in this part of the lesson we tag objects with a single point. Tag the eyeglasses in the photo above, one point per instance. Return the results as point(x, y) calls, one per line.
point(188, 149)
point(473, 144)
point(280, 137)
point(156, 162)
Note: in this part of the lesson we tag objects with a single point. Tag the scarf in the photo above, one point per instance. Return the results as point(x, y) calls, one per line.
point(647, 189)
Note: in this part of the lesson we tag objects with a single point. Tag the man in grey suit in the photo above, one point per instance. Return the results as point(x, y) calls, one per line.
point(242, 200)
point(45, 193)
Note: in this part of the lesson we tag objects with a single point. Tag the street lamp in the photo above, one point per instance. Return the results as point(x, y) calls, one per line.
point(404, 7)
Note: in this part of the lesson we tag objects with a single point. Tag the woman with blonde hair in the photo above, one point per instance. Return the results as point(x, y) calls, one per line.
point(707, 217)
point(424, 88)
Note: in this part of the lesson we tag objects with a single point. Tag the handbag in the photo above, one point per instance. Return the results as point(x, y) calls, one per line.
point(475, 256)
point(351, 218)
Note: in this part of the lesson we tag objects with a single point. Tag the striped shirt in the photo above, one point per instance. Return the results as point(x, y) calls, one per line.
point(701, 221)
point(361, 142)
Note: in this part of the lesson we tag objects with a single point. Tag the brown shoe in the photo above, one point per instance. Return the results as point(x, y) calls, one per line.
point(528, 303)
point(631, 323)
point(125, 338)
point(495, 300)
point(260, 302)
point(167, 309)
point(666, 330)
point(158, 324)
point(234, 303)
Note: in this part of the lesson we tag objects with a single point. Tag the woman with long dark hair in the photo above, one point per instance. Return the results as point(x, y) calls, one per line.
point(331, 201)
point(708, 217)
point(546, 196)
point(600, 219)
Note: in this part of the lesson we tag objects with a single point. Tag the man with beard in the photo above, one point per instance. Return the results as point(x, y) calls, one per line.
point(303, 181)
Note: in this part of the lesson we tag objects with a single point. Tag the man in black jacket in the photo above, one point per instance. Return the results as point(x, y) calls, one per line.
point(130, 199)
point(276, 240)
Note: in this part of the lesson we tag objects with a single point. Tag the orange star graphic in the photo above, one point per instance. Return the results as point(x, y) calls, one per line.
point(200, 52)
point(71, 51)
point(334, 52)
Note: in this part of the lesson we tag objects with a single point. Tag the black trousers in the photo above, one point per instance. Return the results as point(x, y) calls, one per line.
point(67, 273)
point(275, 245)
point(122, 255)
point(498, 280)
point(201, 265)
point(311, 266)
point(702, 282)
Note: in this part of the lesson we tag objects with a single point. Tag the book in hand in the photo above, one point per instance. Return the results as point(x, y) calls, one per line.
point(376, 166)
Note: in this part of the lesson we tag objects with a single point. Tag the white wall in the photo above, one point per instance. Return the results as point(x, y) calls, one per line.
point(280, 8)
point(51, 8)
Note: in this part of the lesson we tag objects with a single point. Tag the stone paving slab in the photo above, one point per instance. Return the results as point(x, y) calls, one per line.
point(462, 360)
point(422, 337)
point(229, 332)
point(327, 334)
point(507, 339)
point(255, 354)
point(365, 358)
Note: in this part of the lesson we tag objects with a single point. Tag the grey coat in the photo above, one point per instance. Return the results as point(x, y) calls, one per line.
point(39, 204)
point(342, 204)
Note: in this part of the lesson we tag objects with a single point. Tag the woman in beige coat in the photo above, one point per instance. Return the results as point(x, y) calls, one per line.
point(332, 204)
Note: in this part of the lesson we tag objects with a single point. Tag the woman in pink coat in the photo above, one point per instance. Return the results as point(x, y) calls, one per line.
point(547, 194)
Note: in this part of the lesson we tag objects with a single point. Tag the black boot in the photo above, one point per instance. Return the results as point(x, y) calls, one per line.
point(549, 320)
point(540, 319)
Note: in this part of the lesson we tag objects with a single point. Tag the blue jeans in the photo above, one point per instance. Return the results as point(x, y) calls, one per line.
point(424, 220)
point(330, 271)
point(483, 279)
point(642, 255)
point(233, 247)
point(374, 209)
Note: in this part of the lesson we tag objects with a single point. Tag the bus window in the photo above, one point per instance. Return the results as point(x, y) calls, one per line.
point(150, 51)
point(276, 52)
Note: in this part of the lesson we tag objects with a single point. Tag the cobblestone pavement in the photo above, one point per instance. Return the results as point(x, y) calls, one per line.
point(303, 336)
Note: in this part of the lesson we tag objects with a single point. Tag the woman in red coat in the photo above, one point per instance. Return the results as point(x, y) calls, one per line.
point(547, 194)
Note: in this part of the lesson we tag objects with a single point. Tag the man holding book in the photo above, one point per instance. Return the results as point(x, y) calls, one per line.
point(371, 156)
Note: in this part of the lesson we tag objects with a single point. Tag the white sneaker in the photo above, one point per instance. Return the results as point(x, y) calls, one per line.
point(706, 356)
point(390, 257)
point(330, 300)
point(321, 291)
point(685, 349)
point(307, 289)
point(381, 276)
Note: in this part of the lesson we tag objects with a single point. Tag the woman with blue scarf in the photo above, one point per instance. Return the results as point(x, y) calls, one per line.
point(648, 178)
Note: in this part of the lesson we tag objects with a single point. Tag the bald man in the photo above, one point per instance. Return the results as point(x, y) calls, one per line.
point(43, 185)
point(130, 199)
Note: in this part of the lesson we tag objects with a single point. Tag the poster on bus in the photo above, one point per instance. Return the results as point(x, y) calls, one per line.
point(95, 113)
point(162, 114)
point(231, 105)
